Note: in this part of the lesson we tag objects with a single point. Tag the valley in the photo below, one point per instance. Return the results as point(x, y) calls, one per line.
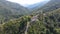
point(16, 19)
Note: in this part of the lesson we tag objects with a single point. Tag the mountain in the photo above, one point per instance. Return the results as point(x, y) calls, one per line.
point(51, 5)
point(47, 23)
point(44, 24)
point(16, 7)
point(36, 5)
point(10, 10)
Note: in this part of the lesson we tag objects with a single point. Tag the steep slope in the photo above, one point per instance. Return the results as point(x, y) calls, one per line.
point(44, 24)
point(13, 6)
point(47, 23)
point(41, 23)
point(9, 10)
point(16, 26)
point(51, 5)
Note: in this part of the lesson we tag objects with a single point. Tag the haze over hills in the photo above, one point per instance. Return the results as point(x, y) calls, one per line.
point(14, 10)
point(9, 10)
point(36, 5)
point(49, 25)
point(51, 5)
point(26, 21)
point(18, 8)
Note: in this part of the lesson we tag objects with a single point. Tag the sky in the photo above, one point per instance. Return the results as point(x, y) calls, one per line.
point(27, 2)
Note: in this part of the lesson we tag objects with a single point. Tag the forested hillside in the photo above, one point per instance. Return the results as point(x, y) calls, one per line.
point(16, 19)
point(49, 24)
point(45, 23)
point(50, 6)
point(10, 10)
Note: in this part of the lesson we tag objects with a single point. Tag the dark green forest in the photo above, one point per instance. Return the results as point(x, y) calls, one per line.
point(44, 24)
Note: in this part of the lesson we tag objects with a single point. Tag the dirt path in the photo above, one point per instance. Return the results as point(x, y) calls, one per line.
point(28, 23)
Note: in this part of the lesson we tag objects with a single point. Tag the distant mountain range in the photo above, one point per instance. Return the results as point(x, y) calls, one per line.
point(36, 5)
point(50, 6)
point(9, 10)
point(47, 22)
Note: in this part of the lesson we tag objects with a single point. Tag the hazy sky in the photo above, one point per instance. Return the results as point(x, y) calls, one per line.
point(27, 2)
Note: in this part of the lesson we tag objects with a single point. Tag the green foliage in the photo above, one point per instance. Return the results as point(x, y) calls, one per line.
point(44, 24)
point(10, 10)
point(14, 26)
point(37, 28)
